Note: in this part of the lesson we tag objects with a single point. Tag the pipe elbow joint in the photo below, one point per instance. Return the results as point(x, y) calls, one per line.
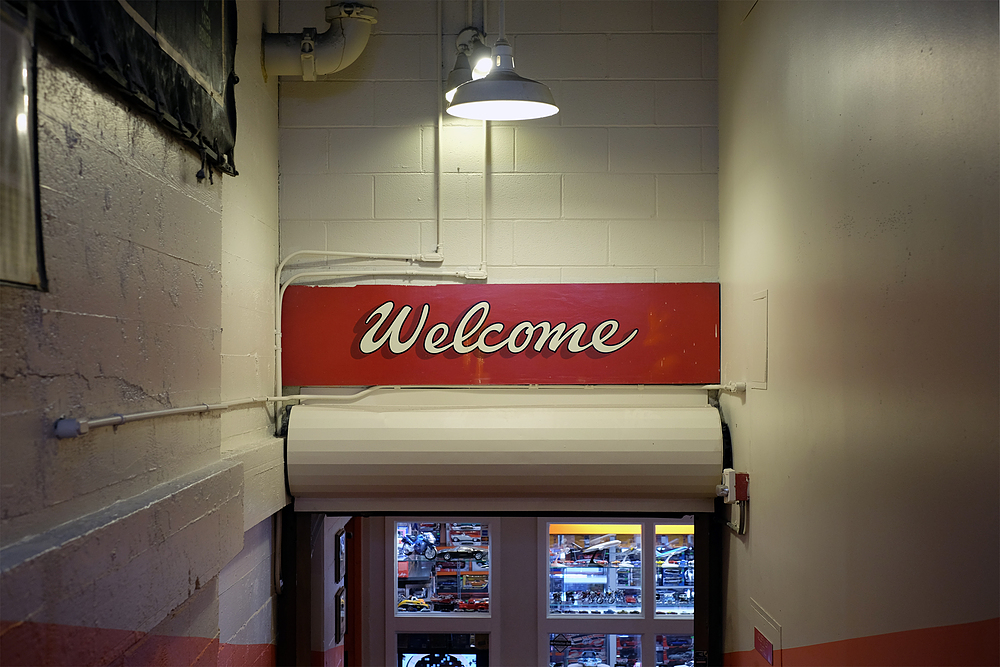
point(310, 54)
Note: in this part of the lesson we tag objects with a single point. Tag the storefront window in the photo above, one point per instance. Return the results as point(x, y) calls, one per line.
point(442, 568)
point(674, 550)
point(594, 650)
point(674, 650)
point(595, 569)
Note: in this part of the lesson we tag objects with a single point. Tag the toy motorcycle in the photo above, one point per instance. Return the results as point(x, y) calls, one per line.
point(422, 544)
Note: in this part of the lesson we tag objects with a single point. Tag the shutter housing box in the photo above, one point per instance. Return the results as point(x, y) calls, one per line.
point(507, 449)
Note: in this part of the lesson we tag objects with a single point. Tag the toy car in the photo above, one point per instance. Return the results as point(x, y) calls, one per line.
point(464, 539)
point(481, 556)
point(474, 604)
point(444, 602)
point(589, 659)
point(413, 604)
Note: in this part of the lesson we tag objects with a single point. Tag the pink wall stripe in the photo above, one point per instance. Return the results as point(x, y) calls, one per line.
point(964, 645)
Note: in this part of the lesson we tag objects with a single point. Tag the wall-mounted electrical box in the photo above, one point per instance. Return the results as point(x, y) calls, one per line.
point(735, 486)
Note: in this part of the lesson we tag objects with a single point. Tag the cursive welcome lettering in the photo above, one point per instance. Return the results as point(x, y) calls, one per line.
point(470, 334)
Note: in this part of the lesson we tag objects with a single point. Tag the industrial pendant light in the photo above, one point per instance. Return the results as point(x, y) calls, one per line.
point(460, 74)
point(502, 94)
point(470, 46)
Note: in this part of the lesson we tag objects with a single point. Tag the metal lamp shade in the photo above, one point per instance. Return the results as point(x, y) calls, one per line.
point(503, 95)
point(459, 74)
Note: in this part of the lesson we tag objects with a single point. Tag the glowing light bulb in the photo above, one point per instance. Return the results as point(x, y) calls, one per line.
point(482, 68)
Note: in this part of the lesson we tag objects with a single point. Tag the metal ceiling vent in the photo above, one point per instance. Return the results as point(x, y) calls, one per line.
point(310, 54)
point(655, 449)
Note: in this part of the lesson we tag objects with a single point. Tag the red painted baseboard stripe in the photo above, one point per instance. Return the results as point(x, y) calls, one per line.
point(247, 655)
point(34, 644)
point(965, 645)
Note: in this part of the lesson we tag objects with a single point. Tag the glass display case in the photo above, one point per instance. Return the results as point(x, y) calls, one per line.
point(674, 549)
point(594, 650)
point(440, 649)
point(603, 590)
point(442, 568)
point(595, 569)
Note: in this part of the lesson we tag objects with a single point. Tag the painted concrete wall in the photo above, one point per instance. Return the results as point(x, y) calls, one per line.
point(619, 186)
point(859, 188)
point(249, 252)
point(113, 543)
point(247, 601)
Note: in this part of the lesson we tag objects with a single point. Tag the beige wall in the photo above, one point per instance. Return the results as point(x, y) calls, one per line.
point(620, 186)
point(159, 296)
point(858, 186)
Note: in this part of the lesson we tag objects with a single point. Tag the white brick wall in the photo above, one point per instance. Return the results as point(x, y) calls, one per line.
point(621, 185)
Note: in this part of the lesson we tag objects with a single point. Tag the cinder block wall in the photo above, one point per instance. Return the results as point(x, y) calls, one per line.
point(620, 186)
point(112, 544)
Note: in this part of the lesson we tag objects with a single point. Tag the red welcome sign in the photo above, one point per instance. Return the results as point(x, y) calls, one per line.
point(648, 333)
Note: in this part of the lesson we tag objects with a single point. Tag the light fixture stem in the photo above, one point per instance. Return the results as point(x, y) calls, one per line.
point(440, 127)
point(503, 26)
point(486, 192)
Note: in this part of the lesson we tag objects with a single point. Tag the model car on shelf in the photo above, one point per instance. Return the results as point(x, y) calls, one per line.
point(589, 659)
point(464, 539)
point(444, 602)
point(413, 604)
point(474, 604)
point(477, 554)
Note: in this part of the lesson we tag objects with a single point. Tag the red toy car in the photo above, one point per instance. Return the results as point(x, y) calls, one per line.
point(444, 602)
point(474, 604)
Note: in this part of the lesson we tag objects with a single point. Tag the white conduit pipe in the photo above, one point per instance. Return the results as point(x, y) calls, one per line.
point(440, 128)
point(485, 202)
point(72, 428)
point(435, 257)
point(278, 292)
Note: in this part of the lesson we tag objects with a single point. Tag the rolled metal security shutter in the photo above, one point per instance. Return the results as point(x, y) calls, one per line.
point(537, 451)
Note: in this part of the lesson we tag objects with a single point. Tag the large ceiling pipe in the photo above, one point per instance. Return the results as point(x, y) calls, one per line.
point(308, 54)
